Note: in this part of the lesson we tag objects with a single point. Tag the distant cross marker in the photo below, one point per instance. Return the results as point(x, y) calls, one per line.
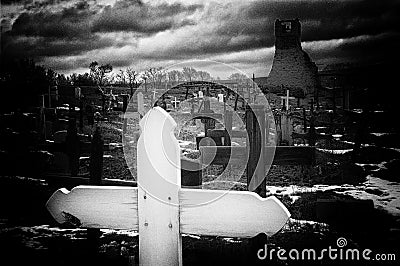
point(159, 208)
point(175, 102)
point(286, 99)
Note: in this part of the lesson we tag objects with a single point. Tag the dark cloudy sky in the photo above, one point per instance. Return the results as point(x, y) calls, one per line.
point(68, 35)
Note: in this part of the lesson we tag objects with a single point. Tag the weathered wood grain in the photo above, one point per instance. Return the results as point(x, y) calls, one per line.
point(230, 213)
point(159, 180)
point(96, 207)
point(202, 212)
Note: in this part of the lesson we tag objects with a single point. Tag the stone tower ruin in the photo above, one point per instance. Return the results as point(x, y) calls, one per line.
point(292, 67)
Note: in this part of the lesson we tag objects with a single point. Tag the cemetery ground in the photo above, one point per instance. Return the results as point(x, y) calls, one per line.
point(28, 234)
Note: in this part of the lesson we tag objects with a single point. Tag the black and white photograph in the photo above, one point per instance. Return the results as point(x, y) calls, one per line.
point(199, 132)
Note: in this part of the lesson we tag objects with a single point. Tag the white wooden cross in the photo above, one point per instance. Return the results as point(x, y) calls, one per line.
point(159, 208)
point(287, 98)
point(175, 102)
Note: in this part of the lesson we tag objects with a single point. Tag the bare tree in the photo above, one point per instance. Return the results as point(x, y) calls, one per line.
point(238, 77)
point(121, 77)
point(173, 76)
point(132, 78)
point(145, 76)
point(99, 72)
point(150, 75)
point(180, 77)
point(204, 75)
point(189, 73)
point(243, 82)
point(111, 79)
point(154, 76)
point(161, 76)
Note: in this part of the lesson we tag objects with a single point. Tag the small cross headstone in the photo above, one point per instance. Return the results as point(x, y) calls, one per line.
point(285, 100)
point(159, 208)
point(175, 102)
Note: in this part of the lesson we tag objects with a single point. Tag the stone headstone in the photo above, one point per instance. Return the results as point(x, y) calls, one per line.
point(140, 103)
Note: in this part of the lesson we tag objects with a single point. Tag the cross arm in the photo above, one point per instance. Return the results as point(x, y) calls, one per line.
point(203, 212)
point(230, 213)
point(111, 207)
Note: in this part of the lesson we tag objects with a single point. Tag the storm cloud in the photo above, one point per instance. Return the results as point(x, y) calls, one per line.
point(130, 33)
point(139, 17)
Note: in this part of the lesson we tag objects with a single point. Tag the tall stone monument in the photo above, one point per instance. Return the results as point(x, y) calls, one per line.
point(292, 68)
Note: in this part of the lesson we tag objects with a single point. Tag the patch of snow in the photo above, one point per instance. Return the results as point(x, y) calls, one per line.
point(301, 144)
point(130, 233)
point(294, 225)
point(295, 190)
point(185, 143)
point(88, 157)
point(192, 236)
point(379, 166)
point(66, 108)
point(114, 145)
point(388, 200)
point(231, 240)
point(359, 111)
point(377, 134)
point(294, 198)
point(335, 151)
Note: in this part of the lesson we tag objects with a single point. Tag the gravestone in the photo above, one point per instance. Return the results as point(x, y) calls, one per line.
point(140, 104)
point(220, 98)
point(287, 129)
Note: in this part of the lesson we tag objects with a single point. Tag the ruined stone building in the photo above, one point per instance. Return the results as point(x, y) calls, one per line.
point(292, 68)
